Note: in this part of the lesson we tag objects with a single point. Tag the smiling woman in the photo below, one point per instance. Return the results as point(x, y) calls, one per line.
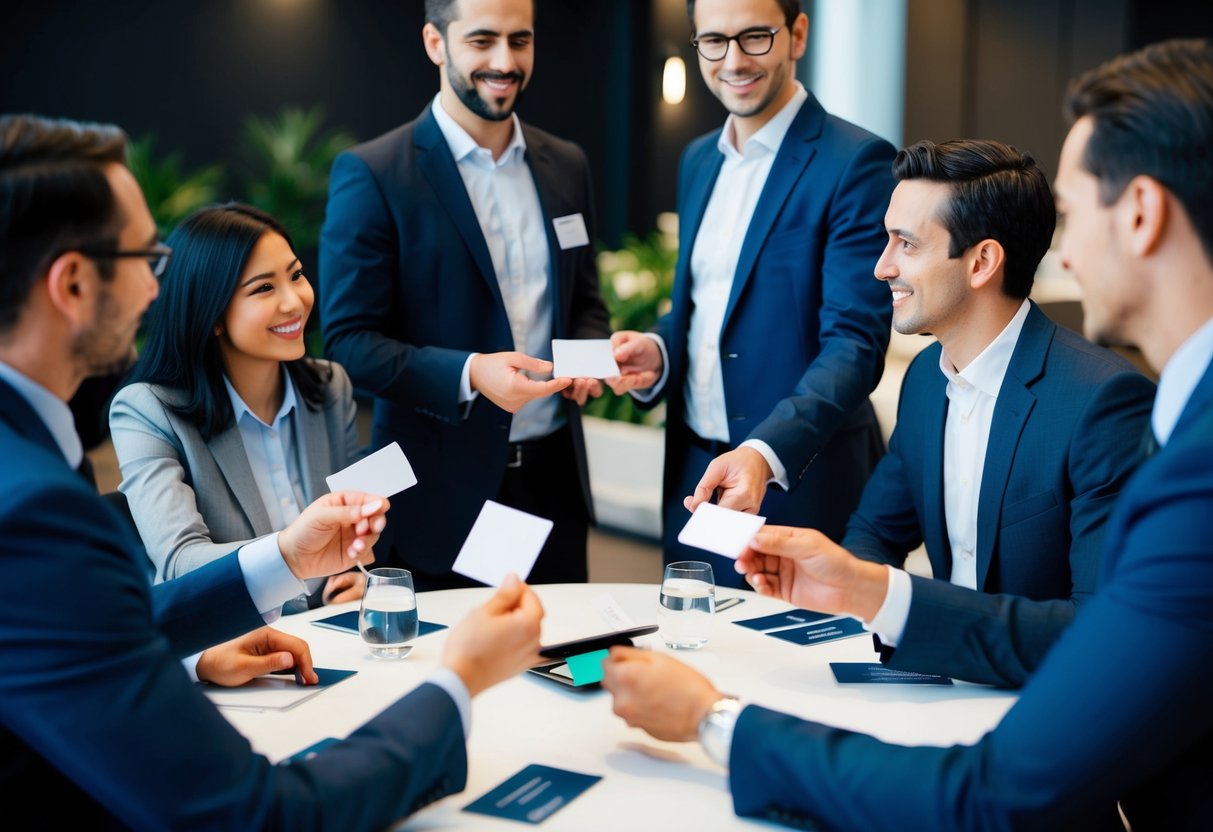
point(225, 430)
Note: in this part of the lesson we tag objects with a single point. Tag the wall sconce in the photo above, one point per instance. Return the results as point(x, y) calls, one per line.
point(674, 80)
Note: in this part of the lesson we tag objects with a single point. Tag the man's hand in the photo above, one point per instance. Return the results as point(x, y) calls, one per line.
point(582, 389)
point(254, 654)
point(658, 693)
point(499, 377)
point(344, 586)
point(332, 533)
point(639, 360)
point(740, 476)
point(806, 568)
point(496, 640)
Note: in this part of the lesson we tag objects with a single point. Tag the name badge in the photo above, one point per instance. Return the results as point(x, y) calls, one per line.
point(570, 231)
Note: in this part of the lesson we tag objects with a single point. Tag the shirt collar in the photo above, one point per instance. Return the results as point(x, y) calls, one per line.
point(1178, 379)
point(462, 145)
point(770, 136)
point(52, 410)
point(987, 370)
point(239, 408)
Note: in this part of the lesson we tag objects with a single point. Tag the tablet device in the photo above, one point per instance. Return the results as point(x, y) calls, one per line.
point(592, 643)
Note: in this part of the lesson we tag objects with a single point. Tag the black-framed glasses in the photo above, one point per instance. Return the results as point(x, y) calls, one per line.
point(753, 42)
point(157, 258)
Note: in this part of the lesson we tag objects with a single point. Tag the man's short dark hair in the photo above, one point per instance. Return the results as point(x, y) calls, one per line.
point(1152, 115)
point(997, 193)
point(442, 12)
point(790, 9)
point(54, 197)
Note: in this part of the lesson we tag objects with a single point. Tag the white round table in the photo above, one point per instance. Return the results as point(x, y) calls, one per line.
point(647, 784)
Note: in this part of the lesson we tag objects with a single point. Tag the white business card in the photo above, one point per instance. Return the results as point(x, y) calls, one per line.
point(502, 540)
point(723, 531)
point(585, 358)
point(383, 473)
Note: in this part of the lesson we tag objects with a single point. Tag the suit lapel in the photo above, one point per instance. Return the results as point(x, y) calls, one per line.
point(1011, 412)
point(1199, 402)
point(436, 163)
point(312, 435)
point(690, 216)
point(24, 420)
point(793, 159)
point(228, 450)
point(935, 531)
point(546, 174)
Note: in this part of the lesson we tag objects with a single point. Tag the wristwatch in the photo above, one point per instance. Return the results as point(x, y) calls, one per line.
point(716, 728)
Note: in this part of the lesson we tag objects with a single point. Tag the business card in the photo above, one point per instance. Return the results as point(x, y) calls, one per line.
point(533, 794)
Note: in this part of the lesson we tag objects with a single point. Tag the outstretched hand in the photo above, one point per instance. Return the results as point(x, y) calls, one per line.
point(502, 378)
point(333, 533)
point(806, 568)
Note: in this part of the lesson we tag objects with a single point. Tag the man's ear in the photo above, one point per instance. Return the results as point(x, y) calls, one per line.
point(1143, 214)
point(433, 41)
point(70, 284)
point(986, 260)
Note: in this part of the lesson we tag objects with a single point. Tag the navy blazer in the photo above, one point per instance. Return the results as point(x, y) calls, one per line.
point(96, 707)
point(1118, 710)
point(408, 291)
point(807, 324)
point(1064, 440)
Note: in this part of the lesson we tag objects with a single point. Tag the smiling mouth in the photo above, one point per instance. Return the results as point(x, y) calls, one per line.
point(743, 81)
point(288, 329)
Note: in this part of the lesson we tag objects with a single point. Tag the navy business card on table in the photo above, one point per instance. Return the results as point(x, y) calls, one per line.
point(347, 622)
point(875, 673)
point(533, 794)
point(821, 633)
point(783, 619)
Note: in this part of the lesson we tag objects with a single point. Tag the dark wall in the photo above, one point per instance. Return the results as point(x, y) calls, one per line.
point(190, 71)
point(999, 70)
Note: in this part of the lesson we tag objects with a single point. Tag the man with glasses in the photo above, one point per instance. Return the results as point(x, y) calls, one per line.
point(94, 703)
point(1119, 709)
point(454, 249)
point(777, 332)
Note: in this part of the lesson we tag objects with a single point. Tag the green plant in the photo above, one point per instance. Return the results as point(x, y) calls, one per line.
point(171, 191)
point(285, 168)
point(636, 282)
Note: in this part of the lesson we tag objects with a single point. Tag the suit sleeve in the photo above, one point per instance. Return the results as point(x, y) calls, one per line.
point(1118, 701)
point(162, 502)
point(90, 685)
point(855, 317)
point(360, 298)
point(1000, 639)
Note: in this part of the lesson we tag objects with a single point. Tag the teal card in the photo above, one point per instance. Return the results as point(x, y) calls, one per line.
point(587, 668)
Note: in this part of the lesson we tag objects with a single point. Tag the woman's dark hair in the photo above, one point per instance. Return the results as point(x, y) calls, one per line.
point(210, 249)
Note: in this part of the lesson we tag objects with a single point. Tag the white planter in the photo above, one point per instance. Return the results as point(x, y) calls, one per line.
point(625, 474)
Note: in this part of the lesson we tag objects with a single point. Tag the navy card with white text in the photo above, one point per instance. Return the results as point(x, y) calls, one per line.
point(783, 619)
point(821, 633)
point(875, 673)
point(533, 794)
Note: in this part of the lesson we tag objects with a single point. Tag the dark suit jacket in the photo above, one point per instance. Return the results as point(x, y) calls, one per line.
point(1065, 438)
point(1118, 710)
point(96, 710)
point(807, 323)
point(408, 291)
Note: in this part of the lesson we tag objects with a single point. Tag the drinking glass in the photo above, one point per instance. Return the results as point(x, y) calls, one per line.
point(688, 599)
point(387, 620)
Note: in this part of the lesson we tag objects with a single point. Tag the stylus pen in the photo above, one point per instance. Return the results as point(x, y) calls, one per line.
point(729, 602)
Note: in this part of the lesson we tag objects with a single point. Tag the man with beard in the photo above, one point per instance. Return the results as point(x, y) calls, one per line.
point(777, 332)
point(454, 249)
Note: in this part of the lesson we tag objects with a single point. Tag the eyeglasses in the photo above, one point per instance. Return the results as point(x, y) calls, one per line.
point(157, 258)
point(754, 42)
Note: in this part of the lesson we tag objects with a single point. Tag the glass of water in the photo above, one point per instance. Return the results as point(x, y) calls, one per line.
point(688, 599)
point(387, 620)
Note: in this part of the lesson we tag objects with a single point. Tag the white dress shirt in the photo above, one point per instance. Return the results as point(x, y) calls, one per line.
point(273, 456)
point(972, 396)
point(503, 195)
point(1184, 370)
